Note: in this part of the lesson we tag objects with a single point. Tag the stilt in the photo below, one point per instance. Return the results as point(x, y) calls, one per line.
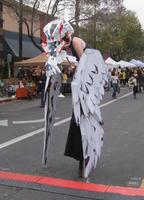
point(88, 180)
point(81, 168)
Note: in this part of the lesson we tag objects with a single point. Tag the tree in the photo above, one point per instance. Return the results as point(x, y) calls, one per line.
point(83, 12)
point(123, 36)
point(97, 15)
point(111, 28)
point(104, 24)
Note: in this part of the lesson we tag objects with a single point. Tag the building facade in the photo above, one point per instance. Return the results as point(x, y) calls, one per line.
point(9, 31)
point(1, 36)
point(11, 19)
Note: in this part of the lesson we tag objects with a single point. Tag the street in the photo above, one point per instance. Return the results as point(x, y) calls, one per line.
point(21, 146)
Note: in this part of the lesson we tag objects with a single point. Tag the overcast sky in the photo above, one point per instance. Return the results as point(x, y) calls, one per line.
point(138, 7)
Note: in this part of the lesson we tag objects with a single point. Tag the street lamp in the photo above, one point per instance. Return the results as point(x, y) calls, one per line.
point(20, 27)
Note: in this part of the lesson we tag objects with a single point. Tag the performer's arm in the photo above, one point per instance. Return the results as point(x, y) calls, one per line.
point(78, 45)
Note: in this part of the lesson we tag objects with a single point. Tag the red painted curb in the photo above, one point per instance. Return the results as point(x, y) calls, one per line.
point(6, 100)
point(56, 182)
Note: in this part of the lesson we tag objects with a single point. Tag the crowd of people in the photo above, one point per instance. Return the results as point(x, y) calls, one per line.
point(117, 79)
point(37, 77)
point(122, 77)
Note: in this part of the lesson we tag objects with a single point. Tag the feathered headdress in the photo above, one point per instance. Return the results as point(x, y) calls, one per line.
point(54, 32)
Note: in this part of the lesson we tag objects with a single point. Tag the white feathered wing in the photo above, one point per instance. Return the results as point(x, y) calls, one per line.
point(87, 92)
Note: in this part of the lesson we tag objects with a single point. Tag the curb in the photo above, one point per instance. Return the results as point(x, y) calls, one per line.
point(7, 100)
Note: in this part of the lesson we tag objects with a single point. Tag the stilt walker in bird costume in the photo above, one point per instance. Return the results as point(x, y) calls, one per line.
point(85, 137)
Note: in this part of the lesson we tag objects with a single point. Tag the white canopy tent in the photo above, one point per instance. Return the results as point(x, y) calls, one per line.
point(137, 63)
point(111, 63)
point(124, 64)
point(133, 61)
point(141, 64)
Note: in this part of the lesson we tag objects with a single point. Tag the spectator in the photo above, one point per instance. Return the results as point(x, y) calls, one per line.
point(133, 82)
point(140, 81)
point(64, 82)
point(114, 80)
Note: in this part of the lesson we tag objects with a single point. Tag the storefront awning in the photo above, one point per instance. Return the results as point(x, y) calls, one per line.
point(12, 45)
point(35, 61)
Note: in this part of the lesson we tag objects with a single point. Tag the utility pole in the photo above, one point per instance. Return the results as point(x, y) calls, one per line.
point(20, 27)
point(95, 27)
point(77, 16)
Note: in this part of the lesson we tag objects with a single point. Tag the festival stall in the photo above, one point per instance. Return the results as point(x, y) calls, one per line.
point(28, 71)
point(124, 64)
point(111, 63)
point(137, 63)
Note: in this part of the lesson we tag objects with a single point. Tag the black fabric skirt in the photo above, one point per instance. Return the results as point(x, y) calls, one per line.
point(74, 142)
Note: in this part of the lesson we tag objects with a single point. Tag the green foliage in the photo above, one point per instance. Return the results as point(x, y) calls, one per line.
point(103, 24)
point(118, 33)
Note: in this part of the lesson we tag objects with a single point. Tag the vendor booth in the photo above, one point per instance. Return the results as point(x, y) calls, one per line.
point(124, 64)
point(35, 65)
point(111, 63)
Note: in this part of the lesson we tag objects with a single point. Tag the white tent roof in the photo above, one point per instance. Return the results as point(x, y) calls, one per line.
point(137, 63)
point(123, 64)
point(110, 61)
point(140, 63)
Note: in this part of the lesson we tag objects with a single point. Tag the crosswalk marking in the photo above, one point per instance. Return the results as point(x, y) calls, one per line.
point(4, 122)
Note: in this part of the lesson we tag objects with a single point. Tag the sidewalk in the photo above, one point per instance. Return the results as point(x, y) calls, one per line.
point(6, 99)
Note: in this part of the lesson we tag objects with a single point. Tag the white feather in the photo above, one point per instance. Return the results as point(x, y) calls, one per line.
point(87, 92)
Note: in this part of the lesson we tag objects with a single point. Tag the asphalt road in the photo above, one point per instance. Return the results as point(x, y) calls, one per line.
point(121, 162)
